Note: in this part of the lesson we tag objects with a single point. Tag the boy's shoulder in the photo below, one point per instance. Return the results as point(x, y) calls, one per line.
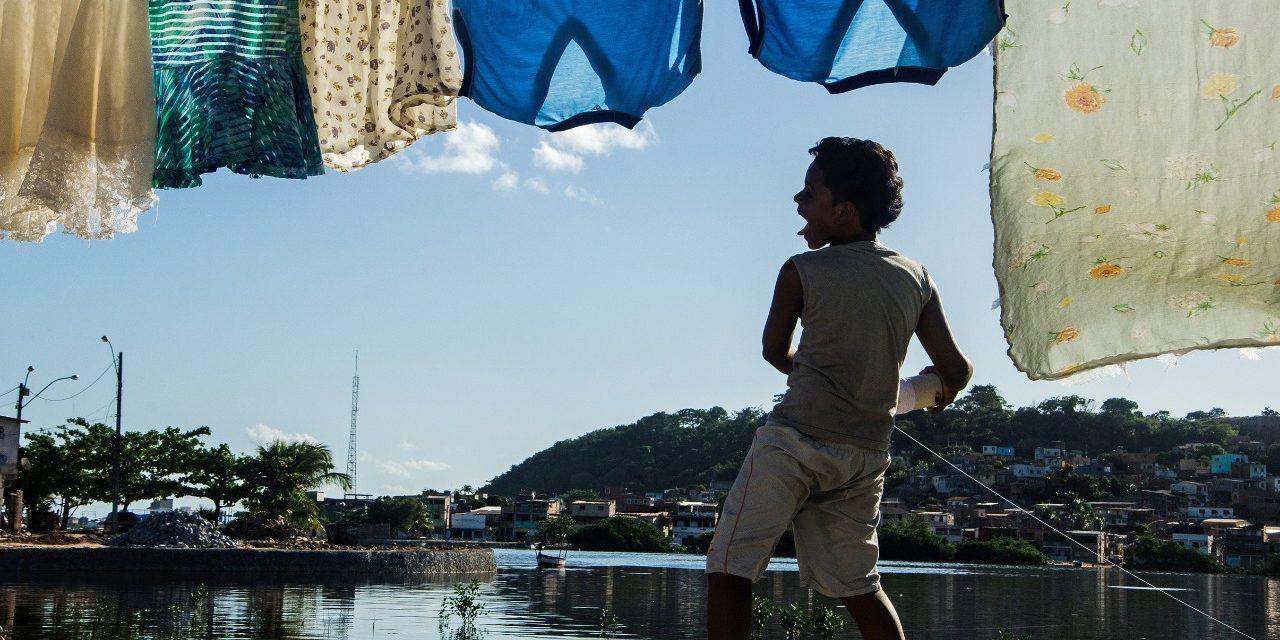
point(869, 251)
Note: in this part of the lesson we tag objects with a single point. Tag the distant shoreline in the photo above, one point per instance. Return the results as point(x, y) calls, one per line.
point(23, 561)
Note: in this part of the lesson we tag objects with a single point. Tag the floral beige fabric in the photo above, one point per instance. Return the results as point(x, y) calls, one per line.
point(383, 73)
point(77, 126)
point(1135, 179)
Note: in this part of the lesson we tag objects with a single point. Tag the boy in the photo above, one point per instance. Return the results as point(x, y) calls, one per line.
point(818, 463)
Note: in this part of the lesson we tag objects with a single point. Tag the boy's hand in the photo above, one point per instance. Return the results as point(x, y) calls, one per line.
point(944, 396)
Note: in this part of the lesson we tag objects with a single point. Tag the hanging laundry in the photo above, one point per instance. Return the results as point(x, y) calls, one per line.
point(845, 45)
point(76, 123)
point(383, 74)
point(1135, 180)
point(231, 91)
point(558, 64)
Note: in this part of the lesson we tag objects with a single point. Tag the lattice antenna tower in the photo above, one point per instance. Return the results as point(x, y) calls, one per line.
point(351, 441)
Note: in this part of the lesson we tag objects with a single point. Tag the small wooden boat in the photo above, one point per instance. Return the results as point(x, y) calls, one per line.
point(550, 562)
point(547, 561)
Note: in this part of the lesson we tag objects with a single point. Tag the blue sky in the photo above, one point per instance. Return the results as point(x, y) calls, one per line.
point(509, 288)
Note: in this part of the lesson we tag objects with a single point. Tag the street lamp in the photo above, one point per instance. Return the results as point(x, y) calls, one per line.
point(25, 391)
point(117, 360)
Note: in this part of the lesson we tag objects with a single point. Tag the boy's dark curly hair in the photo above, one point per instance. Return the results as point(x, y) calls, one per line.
point(864, 173)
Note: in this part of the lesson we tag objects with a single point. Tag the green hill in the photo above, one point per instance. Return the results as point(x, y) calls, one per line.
point(693, 447)
point(682, 449)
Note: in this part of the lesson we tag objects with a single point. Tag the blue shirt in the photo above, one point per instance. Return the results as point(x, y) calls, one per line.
point(854, 43)
point(558, 64)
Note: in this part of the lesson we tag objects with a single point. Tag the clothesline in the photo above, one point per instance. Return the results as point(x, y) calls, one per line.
point(285, 88)
point(1135, 179)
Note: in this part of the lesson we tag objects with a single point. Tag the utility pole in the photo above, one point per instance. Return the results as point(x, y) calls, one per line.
point(115, 443)
point(117, 360)
point(23, 391)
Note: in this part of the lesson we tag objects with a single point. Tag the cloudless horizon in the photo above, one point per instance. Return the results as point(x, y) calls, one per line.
point(508, 288)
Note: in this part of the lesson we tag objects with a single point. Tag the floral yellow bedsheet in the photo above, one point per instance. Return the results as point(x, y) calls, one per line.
point(1135, 179)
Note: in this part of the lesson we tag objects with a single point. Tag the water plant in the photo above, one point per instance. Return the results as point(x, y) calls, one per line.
point(608, 623)
point(762, 611)
point(825, 622)
point(465, 604)
point(793, 620)
point(1008, 634)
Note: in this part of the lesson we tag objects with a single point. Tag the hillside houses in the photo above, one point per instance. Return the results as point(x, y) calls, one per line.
point(1074, 505)
point(1225, 505)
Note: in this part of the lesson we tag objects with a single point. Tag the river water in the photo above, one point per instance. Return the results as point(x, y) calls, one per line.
point(657, 596)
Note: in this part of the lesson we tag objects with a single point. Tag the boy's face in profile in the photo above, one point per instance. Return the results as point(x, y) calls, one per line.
point(826, 222)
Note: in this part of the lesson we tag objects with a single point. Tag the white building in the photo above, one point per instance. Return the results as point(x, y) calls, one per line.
point(692, 519)
point(1029, 470)
point(1201, 542)
point(1200, 513)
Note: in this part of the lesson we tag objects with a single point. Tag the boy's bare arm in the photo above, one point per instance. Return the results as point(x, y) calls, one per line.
point(949, 363)
point(788, 301)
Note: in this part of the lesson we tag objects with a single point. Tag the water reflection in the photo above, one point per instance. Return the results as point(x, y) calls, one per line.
point(651, 596)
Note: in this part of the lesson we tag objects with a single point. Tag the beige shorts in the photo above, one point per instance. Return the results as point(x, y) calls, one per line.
point(830, 492)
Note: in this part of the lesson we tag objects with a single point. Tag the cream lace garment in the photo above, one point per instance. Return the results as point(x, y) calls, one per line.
point(77, 126)
point(383, 73)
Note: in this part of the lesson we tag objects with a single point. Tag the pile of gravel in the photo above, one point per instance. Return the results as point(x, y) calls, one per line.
point(173, 529)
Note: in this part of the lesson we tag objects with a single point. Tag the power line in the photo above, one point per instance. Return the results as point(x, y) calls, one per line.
point(8, 392)
point(90, 386)
point(93, 415)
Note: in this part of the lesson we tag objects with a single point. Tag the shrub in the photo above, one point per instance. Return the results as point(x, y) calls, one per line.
point(999, 551)
point(261, 526)
point(913, 539)
point(619, 534)
point(701, 543)
point(1155, 554)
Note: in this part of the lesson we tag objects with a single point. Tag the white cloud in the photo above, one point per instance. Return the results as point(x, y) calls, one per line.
point(508, 181)
point(536, 184)
point(601, 139)
point(553, 159)
point(578, 193)
point(395, 490)
point(564, 150)
point(405, 445)
point(263, 435)
point(471, 148)
point(406, 468)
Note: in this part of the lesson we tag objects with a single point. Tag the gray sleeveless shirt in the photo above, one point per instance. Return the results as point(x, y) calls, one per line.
point(862, 302)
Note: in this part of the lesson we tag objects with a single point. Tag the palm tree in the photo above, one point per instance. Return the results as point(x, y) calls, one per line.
point(281, 473)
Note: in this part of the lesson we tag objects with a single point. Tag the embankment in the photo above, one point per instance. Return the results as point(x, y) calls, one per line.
point(254, 563)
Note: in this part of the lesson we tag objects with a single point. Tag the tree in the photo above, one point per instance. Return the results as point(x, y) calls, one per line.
point(216, 474)
point(75, 462)
point(574, 495)
point(1155, 554)
point(403, 514)
point(58, 467)
point(279, 475)
point(1119, 407)
point(153, 462)
point(1000, 551)
point(556, 529)
point(1080, 515)
point(913, 539)
point(619, 534)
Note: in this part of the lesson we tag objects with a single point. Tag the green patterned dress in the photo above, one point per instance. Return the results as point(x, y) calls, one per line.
point(231, 91)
